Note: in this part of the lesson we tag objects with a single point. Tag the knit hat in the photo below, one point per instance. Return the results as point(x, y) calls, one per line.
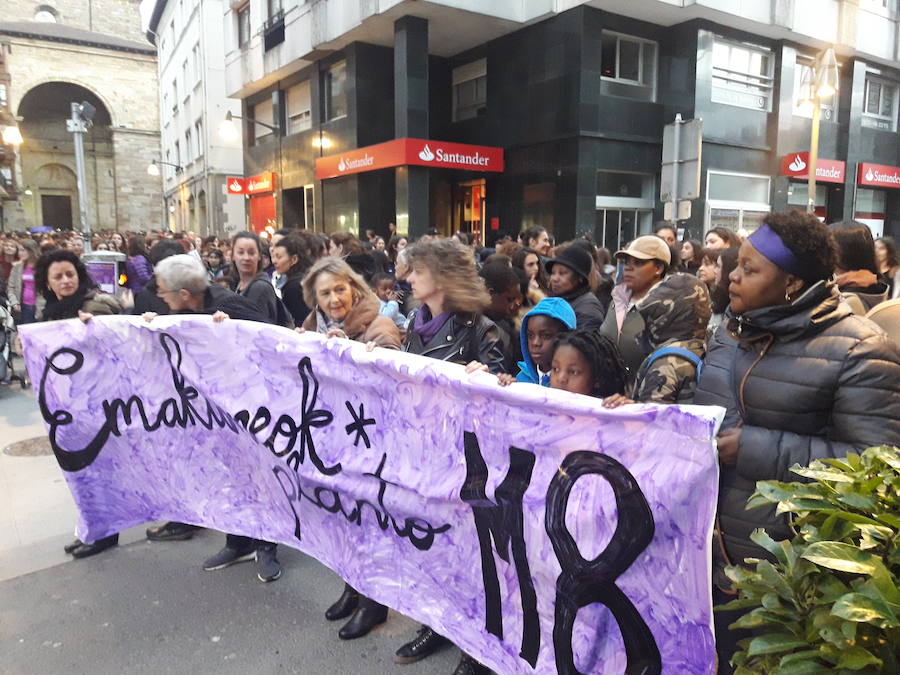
point(576, 259)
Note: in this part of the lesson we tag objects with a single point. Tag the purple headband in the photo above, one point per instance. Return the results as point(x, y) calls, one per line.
point(770, 246)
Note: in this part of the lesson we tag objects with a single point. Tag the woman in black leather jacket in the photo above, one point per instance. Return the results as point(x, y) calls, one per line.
point(448, 326)
point(800, 377)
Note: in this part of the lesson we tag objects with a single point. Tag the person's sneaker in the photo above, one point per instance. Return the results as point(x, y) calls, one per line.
point(171, 532)
point(267, 566)
point(72, 545)
point(228, 556)
point(469, 666)
point(424, 644)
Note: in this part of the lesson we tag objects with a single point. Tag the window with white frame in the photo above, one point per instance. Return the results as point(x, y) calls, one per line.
point(186, 78)
point(188, 146)
point(299, 108)
point(243, 25)
point(177, 153)
point(197, 62)
point(742, 75)
point(803, 73)
point(263, 112)
point(335, 87)
point(738, 201)
point(175, 94)
point(470, 90)
point(201, 140)
point(880, 103)
point(627, 60)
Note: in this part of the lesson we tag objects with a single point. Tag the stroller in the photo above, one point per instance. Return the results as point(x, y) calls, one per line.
point(8, 373)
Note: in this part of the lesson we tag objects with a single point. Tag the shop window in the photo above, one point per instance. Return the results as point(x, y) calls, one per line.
point(628, 61)
point(803, 72)
point(737, 201)
point(798, 196)
point(263, 112)
point(871, 206)
point(335, 88)
point(616, 227)
point(538, 201)
point(880, 104)
point(299, 117)
point(470, 90)
point(742, 75)
point(243, 25)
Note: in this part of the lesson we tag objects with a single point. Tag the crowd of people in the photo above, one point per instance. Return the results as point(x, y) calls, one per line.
point(771, 327)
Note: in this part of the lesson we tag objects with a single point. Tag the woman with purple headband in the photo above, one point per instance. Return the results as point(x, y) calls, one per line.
point(801, 378)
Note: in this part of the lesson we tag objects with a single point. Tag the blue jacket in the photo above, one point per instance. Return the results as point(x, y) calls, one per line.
point(556, 308)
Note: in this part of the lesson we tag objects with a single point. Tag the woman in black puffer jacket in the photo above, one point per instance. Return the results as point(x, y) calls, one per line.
point(800, 376)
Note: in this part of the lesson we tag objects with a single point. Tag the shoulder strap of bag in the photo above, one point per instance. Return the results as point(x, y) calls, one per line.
point(677, 351)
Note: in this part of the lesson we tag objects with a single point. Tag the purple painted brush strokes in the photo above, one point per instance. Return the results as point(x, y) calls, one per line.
point(227, 479)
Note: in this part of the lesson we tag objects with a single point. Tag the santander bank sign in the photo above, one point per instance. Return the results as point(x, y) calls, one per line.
point(411, 152)
point(796, 165)
point(878, 175)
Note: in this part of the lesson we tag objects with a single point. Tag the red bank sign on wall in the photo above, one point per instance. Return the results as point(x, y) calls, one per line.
point(796, 165)
point(878, 175)
point(411, 151)
point(263, 182)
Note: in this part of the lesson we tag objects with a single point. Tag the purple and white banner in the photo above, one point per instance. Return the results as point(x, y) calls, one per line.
point(538, 531)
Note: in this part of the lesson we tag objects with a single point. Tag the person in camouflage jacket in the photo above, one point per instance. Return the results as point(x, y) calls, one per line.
point(675, 314)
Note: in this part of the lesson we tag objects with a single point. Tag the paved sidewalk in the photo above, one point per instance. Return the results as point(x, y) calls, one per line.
point(146, 607)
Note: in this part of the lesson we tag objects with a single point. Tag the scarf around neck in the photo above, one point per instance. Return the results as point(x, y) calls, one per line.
point(426, 326)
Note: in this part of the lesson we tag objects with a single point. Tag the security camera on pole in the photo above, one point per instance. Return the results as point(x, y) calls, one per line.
point(81, 120)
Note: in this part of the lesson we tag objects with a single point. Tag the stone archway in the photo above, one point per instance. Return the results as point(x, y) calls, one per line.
point(47, 157)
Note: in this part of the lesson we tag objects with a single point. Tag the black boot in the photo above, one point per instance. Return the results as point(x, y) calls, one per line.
point(369, 615)
point(345, 604)
point(469, 666)
point(87, 550)
point(424, 644)
point(72, 545)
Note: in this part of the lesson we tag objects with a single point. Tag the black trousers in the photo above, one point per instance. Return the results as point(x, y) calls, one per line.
point(241, 543)
point(726, 640)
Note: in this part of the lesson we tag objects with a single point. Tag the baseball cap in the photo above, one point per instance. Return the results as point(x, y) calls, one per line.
point(648, 247)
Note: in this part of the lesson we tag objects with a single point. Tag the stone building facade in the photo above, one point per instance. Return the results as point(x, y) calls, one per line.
point(66, 51)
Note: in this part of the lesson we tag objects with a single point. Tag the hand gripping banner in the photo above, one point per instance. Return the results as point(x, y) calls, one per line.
point(538, 531)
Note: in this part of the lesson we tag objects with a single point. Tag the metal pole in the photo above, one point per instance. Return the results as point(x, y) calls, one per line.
point(676, 141)
point(813, 157)
point(78, 127)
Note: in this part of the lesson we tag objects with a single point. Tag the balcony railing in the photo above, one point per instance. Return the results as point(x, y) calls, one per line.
point(273, 30)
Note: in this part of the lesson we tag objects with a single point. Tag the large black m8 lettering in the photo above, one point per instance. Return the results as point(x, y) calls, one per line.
point(581, 582)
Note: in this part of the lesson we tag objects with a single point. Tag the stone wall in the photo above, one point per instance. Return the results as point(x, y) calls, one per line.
point(126, 197)
point(112, 17)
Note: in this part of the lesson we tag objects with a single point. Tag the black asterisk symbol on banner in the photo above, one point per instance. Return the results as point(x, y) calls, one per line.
point(359, 423)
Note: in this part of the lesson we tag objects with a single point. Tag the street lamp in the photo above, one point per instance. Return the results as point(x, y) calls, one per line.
point(153, 168)
point(820, 81)
point(229, 131)
point(12, 135)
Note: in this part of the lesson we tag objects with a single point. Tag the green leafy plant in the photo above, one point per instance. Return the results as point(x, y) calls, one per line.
point(829, 603)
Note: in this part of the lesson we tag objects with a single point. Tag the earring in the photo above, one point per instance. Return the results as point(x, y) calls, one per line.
point(787, 296)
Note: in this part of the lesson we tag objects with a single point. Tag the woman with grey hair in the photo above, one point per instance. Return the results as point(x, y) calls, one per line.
point(345, 307)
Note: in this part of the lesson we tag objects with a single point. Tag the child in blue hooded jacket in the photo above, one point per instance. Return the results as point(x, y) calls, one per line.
point(540, 329)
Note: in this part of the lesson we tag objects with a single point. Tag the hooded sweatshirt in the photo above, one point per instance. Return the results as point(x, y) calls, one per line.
point(556, 308)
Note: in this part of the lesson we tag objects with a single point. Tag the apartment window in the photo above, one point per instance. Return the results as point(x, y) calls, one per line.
point(3, 96)
point(186, 77)
point(175, 95)
point(742, 75)
point(243, 25)
point(167, 169)
point(299, 108)
point(336, 91)
point(628, 60)
point(803, 73)
point(188, 146)
point(880, 104)
point(177, 153)
point(263, 112)
point(201, 140)
point(197, 64)
point(470, 90)
point(275, 8)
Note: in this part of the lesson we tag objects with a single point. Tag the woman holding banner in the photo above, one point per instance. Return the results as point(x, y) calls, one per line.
point(448, 326)
point(63, 281)
point(345, 307)
point(801, 378)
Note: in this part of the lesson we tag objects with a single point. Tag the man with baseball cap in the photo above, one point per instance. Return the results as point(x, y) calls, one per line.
point(570, 274)
point(646, 261)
